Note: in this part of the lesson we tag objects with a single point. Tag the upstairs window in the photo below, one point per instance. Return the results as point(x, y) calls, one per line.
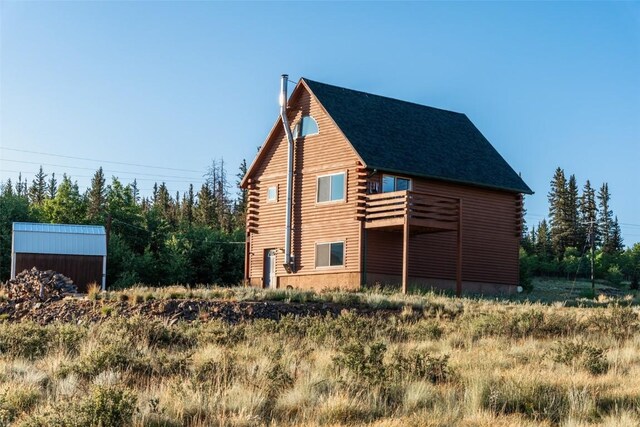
point(331, 188)
point(307, 125)
point(395, 183)
point(330, 254)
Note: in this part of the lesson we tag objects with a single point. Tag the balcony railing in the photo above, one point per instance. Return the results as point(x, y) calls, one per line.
point(427, 211)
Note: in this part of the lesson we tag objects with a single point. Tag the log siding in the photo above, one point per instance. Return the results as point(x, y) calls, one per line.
point(487, 221)
point(313, 222)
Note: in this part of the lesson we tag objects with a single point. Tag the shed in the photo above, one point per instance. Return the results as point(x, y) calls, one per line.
point(77, 251)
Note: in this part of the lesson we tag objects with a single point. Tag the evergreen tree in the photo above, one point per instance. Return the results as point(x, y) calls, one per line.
point(575, 232)
point(38, 189)
point(559, 213)
point(163, 202)
point(588, 212)
point(21, 187)
point(240, 207)
point(52, 186)
point(217, 180)
point(127, 219)
point(155, 193)
point(12, 208)
point(135, 192)
point(204, 212)
point(7, 188)
point(188, 200)
point(616, 245)
point(605, 218)
point(96, 198)
point(543, 246)
point(175, 209)
point(68, 207)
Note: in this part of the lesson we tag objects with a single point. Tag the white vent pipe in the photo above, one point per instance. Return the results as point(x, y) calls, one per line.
point(288, 259)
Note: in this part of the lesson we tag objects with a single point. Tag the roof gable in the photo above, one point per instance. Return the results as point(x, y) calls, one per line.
point(300, 103)
point(403, 137)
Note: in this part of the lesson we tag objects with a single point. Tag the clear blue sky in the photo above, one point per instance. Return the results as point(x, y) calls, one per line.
point(179, 84)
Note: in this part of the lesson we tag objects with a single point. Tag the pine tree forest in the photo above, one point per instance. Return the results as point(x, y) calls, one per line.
point(193, 237)
point(580, 223)
point(197, 236)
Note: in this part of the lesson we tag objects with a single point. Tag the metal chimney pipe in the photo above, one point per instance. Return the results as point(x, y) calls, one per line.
point(288, 259)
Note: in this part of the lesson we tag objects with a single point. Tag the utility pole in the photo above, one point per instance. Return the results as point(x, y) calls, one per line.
point(592, 241)
point(592, 244)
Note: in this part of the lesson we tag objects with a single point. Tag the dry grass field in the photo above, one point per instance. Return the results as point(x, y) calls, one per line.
point(424, 360)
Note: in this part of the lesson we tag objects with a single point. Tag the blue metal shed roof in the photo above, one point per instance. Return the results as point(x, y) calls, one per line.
point(58, 228)
point(67, 239)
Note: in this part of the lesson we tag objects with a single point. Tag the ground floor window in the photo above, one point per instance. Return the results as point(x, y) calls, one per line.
point(330, 254)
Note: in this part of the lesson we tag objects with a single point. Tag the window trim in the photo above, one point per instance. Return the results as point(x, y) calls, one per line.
point(274, 200)
point(331, 267)
point(395, 178)
point(296, 128)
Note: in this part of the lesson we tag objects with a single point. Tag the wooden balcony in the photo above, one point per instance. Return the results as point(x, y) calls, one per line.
point(424, 213)
point(410, 213)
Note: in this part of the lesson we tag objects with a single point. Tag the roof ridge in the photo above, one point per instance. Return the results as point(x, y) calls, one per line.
point(382, 96)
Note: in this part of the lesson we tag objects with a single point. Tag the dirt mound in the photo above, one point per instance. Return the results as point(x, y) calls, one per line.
point(41, 286)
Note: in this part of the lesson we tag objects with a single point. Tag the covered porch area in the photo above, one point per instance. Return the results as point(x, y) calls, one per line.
point(408, 213)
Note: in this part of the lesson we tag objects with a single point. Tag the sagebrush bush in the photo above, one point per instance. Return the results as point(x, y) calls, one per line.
point(15, 401)
point(109, 406)
point(416, 365)
point(534, 399)
point(27, 340)
point(580, 354)
point(618, 321)
point(362, 363)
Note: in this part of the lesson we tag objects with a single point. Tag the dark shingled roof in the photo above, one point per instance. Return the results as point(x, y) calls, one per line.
point(402, 137)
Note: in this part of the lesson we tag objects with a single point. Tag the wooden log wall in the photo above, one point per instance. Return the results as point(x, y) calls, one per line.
point(326, 153)
point(491, 221)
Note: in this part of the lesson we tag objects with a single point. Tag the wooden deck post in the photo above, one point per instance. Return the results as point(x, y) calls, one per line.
point(459, 257)
point(405, 253)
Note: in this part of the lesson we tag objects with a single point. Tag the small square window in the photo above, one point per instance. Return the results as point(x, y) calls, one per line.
point(272, 194)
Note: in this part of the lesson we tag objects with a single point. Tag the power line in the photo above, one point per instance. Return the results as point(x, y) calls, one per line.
point(120, 178)
point(93, 169)
point(97, 160)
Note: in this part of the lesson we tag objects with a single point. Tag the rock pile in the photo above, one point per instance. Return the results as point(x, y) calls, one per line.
point(36, 285)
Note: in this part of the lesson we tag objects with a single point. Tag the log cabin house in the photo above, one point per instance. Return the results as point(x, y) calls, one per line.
point(353, 189)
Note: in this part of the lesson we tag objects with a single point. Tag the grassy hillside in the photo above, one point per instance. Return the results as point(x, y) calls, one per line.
point(416, 360)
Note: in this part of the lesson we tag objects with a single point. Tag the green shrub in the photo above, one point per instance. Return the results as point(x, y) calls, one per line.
point(27, 340)
point(219, 372)
point(415, 365)
point(69, 337)
point(364, 364)
point(16, 401)
point(116, 356)
point(614, 275)
point(618, 321)
point(536, 400)
point(108, 407)
point(426, 329)
point(582, 355)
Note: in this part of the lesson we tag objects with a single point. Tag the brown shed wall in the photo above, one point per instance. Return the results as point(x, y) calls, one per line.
point(82, 269)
